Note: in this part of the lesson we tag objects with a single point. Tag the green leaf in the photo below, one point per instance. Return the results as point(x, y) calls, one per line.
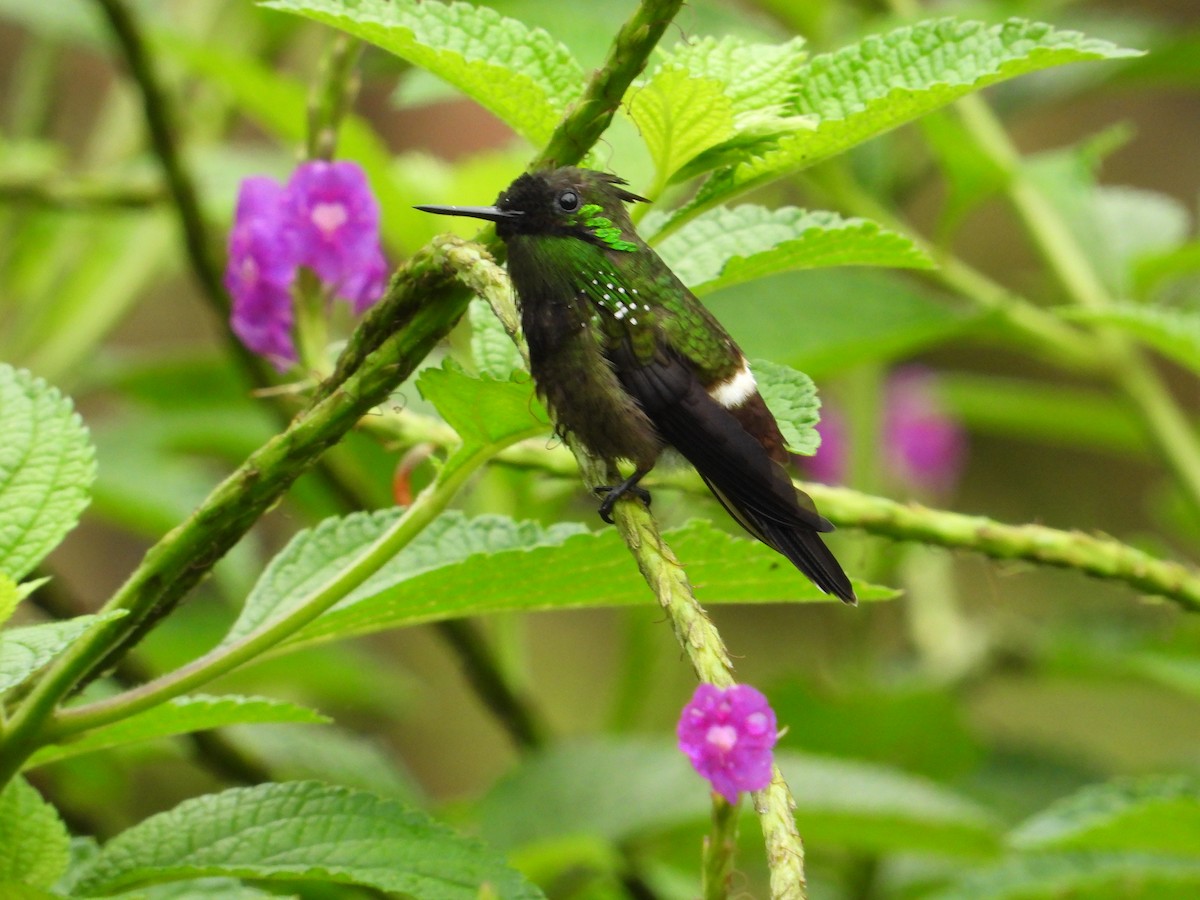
point(315, 555)
point(679, 117)
point(824, 321)
point(886, 80)
point(618, 789)
point(1095, 876)
point(756, 81)
point(727, 246)
point(489, 564)
point(493, 350)
point(520, 74)
point(484, 411)
point(12, 891)
point(46, 467)
point(34, 845)
point(755, 77)
point(181, 715)
point(303, 831)
point(25, 650)
point(1158, 814)
point(1175, 333)
point(792, 397)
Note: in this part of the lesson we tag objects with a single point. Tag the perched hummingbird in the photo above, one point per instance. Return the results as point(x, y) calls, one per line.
point(631, 363)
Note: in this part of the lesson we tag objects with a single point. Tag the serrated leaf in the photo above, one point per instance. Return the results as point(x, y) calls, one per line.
point(755, 76)
point(303, 831)
point(25, 650)
point(792, 397)
point(485, 410)
point(34, 845)
point(727, 246)
point(203, 889)
point(313, 556)
point(494, 352)
point(1175, 333)
point(1159, 814)
point(1096, 876)
point(520, 74)
point(679, 117)
point(885, 80)
point(615, 789)
point(46, 467)
point(180, 715)
point(564, 567)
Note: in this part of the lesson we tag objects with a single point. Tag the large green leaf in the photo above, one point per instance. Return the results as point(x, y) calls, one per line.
point(886, 80)
point(315, 555)
point(462, 566)
point(303, 831)
point(181, 715)
point(25, 650)
point(616, 789)
point(826, 320)
point(46, 468)
point(726, 246)
point(1159, 814)
point(560, 568)
point(34, 845)
point(520, 74)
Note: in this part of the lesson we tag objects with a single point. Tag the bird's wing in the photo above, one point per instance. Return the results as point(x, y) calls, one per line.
point(752, 487)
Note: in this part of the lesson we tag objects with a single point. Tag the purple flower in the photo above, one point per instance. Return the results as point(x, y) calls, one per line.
point(324, 219)
point(337, 224)
point(728, 734)
point(262, 265)
point(923, 448)
point(828, 464)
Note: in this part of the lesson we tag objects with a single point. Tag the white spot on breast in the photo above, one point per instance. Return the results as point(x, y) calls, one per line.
point(736, 389)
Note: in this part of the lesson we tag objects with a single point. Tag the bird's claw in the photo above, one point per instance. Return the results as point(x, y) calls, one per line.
point(615, 493)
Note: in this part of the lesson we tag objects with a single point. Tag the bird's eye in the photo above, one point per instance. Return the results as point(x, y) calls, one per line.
point(568, 201)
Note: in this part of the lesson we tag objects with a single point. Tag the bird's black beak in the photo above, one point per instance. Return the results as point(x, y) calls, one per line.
point(491, 213)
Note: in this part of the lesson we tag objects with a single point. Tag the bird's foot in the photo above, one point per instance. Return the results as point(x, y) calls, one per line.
point(616, 492)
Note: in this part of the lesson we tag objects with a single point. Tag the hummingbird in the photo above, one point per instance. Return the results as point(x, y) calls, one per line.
point(632, 364)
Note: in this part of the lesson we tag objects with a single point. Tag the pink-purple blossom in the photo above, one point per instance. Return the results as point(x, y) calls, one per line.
point(324, 219)
point(728, 734)
point(923, 447)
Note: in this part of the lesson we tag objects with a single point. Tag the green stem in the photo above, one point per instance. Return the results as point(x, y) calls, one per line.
point(1100, 557)
point(424, 306)
point(332, 96)
point(719, 847)
point(427, 506)
point(1165, 422)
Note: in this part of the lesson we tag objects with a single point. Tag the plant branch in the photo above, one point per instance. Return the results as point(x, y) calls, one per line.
point(225, 658)
point(1098, 556)
point(424, 306)
point(572, 139)
point(1165, 423)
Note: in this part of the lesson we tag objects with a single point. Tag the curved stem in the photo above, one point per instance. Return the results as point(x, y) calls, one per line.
point(223, 659)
